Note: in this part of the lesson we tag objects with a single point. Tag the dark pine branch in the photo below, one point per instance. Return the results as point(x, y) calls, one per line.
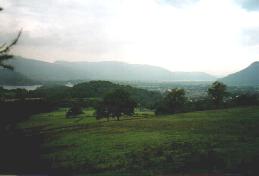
point(5, 57)
point(5, 49)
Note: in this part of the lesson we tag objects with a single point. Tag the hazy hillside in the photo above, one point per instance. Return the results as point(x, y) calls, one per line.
point(109, 70)
point(117, 71)
point(131, 72)
point(192, 76)
point(246, 77)
point(39, 70)
point(8, 77)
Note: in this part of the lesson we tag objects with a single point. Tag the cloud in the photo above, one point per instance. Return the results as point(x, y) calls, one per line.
point(190, 35)
point(179, 3)
point(251, 36)
point(70, 25)
point(251, 5)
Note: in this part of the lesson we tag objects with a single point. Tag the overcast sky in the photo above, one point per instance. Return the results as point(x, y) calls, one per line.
point(214, 36)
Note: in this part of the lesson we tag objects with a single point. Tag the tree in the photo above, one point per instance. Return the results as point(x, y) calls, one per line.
point(101, 111)
point(115, 104)
point(217, 92)
point(5, 49)
point(174, 102)
point(75, 110)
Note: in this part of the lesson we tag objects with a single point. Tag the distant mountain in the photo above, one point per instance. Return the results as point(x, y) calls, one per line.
point(246, 77)
point(108, 70)
point(40, 70)
point(8, 77)
point(192, 76)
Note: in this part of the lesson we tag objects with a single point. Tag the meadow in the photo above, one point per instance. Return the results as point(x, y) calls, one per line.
point(215, 141)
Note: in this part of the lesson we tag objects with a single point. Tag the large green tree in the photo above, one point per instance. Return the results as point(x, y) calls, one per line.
point(217, 91)
point(174, 102)
point(115, 104)
point(5, 49)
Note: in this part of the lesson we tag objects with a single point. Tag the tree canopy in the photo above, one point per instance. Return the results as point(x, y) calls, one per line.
point(115, 104)
point(217, 92)
point(173, 102)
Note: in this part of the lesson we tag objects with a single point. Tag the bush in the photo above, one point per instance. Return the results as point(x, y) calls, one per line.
point(74, 111)
point(16, 111)
point(246, 100)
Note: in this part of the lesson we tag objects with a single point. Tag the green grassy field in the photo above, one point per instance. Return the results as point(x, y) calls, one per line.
point(199, 142)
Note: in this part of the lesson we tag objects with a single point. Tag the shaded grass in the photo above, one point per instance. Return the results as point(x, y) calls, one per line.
point(210, 141)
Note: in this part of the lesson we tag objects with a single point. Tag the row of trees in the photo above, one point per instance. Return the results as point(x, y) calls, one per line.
point(176, 101)
point(119, 102)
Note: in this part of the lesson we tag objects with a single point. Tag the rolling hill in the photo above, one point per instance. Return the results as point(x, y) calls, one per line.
point(147, 144)
point(108, 70)
point(246, 77)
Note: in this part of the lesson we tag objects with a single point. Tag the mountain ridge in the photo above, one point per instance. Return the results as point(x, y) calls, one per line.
point(245, 77)
point(170, 75)
point(102, 70)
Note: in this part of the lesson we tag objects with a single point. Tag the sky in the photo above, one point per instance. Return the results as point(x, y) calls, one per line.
point(214, 36)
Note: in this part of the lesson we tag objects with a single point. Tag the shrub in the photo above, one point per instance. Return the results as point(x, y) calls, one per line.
point(74, 111)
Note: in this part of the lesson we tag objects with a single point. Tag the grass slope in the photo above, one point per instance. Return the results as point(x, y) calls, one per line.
point(210, 141)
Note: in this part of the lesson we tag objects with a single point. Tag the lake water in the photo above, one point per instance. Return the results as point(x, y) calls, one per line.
point(33, 87)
